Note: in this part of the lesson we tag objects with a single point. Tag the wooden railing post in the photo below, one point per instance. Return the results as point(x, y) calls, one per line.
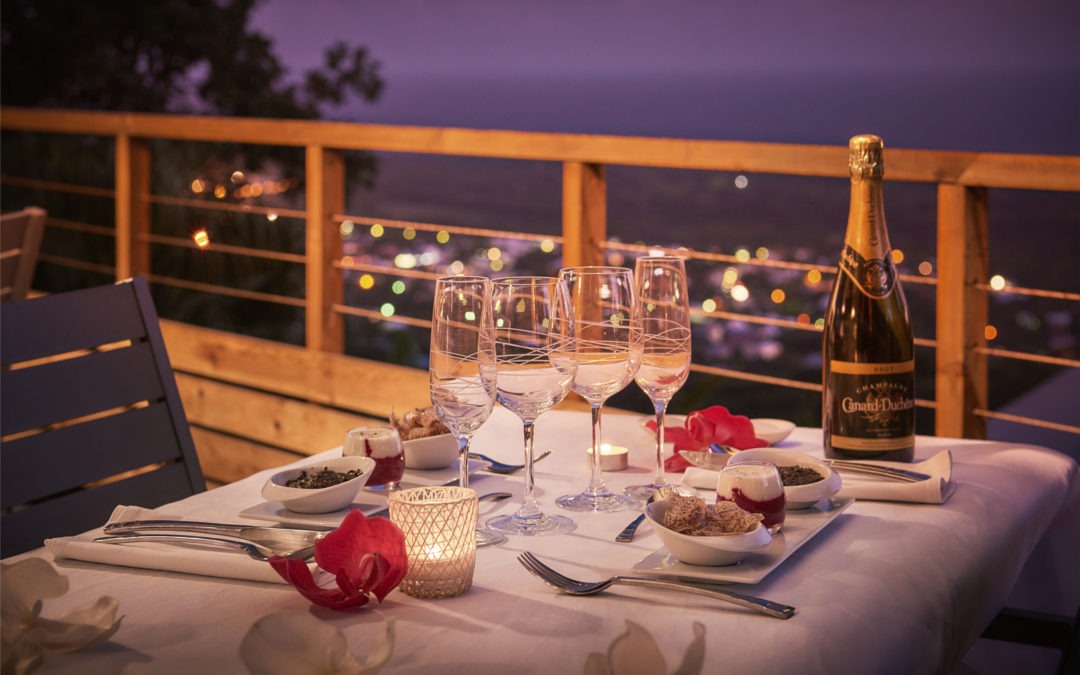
point(584, 214)
point(961, 382)
point(132, 206)
point(325, 169)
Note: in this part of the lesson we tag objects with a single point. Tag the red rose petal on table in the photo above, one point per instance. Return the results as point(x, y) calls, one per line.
point(705, 427)
point(366, 556)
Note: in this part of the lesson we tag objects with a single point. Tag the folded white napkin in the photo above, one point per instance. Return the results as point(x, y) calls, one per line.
point(934, 491)
point(161, 556)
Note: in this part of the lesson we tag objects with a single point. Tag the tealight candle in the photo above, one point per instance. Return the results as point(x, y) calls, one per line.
point(612, 457)
point(439, 524)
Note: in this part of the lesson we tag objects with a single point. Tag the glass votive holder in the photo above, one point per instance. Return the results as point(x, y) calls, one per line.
point(382, 443)
point(754, 487)
point(439, 524)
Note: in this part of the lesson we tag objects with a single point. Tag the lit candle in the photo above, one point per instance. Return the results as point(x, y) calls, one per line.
point(612, 457)
point(439, 524)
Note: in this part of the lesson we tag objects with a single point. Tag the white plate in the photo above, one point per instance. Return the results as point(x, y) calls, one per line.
point(669, 421)
point(772, 430)
point(765, 428)
point(368, 501)
point(799, 528)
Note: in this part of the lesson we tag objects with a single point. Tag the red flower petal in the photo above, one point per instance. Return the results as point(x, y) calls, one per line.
point(297, 573)
point(705, 427)
point(365, 556)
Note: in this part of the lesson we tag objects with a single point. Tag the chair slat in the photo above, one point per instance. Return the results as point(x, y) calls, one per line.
point(63, 390)
point(67, 322)
point(75, 513)
point(20, 240)
point(65, 458)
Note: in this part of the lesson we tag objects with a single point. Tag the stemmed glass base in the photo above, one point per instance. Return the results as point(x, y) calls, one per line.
point(602, 501)
point(643, 492)
point(488, 538)
point(532, 525)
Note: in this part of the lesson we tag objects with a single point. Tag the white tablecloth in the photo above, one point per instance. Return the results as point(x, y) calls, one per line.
point(886, 588)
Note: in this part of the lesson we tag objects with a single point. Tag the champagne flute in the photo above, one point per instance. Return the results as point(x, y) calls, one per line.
point(665, 360)
point(461, 371)
point(535, 364)
point(608, 345)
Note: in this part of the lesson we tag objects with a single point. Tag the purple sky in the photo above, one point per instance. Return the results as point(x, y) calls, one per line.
point(451, 37)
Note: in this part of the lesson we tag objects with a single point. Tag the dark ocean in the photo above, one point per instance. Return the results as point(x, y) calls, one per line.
point(1021, 111)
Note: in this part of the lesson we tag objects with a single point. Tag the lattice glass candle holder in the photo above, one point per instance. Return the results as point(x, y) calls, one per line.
point(439, 524)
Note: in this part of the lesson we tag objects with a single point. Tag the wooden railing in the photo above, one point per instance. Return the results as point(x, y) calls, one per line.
point(223, 363)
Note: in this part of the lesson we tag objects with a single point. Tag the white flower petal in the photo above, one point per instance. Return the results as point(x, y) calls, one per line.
point(27, 582)
point(297, 643)
point(78, 628)
point(635, 652)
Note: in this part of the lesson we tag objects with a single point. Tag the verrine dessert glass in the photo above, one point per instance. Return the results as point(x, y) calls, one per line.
point(536, 363)
point(607, 342)
point(755, 487)
point(383, 444)
point(665, 359)
point(461, 369)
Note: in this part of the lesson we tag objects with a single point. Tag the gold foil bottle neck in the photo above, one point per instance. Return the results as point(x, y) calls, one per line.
point(865, 157)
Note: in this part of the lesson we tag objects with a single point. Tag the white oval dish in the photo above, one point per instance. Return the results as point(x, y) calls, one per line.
point(766, 428)
point(319, 500)
point(772, 430)
point(797, 496)
point(430, 452)
point(724, 549)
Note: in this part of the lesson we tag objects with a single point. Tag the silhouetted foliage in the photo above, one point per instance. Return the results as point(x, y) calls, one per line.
point(181, 56)
point(177, 57)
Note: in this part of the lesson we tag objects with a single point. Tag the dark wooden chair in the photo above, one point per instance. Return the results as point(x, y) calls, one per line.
point(20, 239)
point(91, 416)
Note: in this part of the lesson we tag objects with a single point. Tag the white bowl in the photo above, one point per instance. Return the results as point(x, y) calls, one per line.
point(723, 549)
point(797, 496)
point(319, 500)
point(772, 430)
point(431, 452)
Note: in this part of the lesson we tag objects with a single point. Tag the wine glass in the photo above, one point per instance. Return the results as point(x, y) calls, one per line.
point(608, 345)
point(461, 371)
point(665, 359)
point(535, 364)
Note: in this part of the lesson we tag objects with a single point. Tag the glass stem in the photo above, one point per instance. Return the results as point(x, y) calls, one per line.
point(596, 481)
point(463, 461)
point(660, 407)
point(529, 508)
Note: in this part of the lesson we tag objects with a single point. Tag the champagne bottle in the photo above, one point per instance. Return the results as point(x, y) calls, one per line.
point(868, 370)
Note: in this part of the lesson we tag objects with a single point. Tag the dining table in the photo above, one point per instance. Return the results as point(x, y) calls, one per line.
point(879, 586)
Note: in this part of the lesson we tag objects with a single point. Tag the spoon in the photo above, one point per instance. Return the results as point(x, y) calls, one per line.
point(627, 534)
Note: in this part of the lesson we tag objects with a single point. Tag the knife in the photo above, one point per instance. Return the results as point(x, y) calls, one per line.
point(879, 470)
point(273, 537)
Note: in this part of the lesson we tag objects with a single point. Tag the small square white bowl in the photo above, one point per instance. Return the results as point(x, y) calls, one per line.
point(430, 452)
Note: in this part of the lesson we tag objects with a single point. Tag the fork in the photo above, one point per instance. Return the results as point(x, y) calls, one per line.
point(501, 467)
point(256, 551)
point(570, 586)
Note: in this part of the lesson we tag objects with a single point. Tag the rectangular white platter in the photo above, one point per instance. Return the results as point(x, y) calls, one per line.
point(799, 527)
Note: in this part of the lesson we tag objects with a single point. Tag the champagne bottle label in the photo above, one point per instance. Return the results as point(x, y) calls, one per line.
point(872, 405)
point(875, 277)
